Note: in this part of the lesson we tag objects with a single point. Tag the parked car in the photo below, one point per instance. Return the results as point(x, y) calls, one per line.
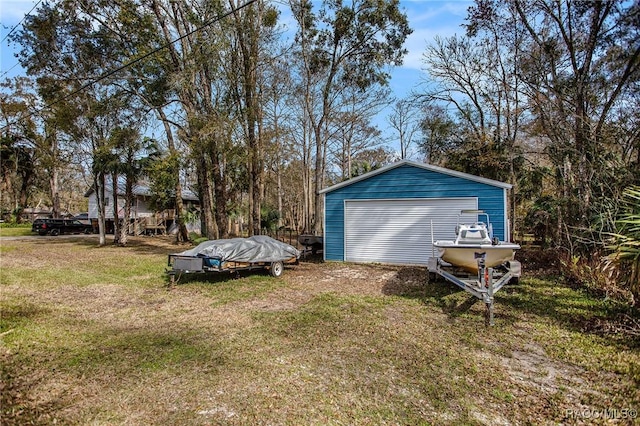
point(82, 217)
point(60, 226)
point(37, 225)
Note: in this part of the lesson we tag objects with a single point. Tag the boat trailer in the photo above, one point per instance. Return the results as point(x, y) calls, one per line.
point(484, 285)
point(233, 255)
point(179, 265)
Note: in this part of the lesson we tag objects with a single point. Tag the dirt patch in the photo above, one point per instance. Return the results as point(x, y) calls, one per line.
point(356, 278)
point(532, 370)
point(308, 279)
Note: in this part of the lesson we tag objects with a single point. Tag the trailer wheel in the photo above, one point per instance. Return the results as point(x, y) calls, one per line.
point(276, 269)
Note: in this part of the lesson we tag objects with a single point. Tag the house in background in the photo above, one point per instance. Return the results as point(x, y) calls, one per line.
point(142, 220)
point(388, 215)
point(32, 213)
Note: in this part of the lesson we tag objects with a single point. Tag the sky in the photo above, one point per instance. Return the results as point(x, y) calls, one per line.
point(427, 18)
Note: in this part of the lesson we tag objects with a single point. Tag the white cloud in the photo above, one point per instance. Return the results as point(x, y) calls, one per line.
point(12, 11)
point(428, 19)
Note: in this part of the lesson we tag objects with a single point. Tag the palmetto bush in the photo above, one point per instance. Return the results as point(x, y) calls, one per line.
point(626, 247)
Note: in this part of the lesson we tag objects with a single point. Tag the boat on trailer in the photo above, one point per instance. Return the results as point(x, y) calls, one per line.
point(474, 241)
point(475, 261)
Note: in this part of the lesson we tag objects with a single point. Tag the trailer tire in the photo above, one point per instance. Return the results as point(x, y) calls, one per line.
point(276, 269)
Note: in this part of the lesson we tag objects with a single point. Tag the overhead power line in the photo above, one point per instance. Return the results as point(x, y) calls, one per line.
point(9, 70)
point(12, 30)
point(130, 63)
point(20, 23)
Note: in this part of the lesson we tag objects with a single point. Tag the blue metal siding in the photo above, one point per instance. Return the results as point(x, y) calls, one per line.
point(408, 182)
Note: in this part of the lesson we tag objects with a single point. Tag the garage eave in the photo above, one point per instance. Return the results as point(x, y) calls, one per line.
point(422, 166)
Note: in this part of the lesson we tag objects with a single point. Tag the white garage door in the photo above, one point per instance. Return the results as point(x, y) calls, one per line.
point(399, 231)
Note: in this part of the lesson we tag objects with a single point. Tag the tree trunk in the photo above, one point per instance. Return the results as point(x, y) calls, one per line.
point(256, 183)
point(279, 194)
point(55, 197)
point(318, 182)
point(209, 228)
point(248, 24)
point(116, 218)
point(98, 184)
point(183, 233)
point(220, 191)
point(124, 229)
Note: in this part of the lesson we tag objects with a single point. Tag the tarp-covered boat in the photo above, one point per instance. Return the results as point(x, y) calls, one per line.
point(235, 254)
point(259, 248)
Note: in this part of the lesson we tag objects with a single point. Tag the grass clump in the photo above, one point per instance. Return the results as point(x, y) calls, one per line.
point(15, 229)
point(225, 288)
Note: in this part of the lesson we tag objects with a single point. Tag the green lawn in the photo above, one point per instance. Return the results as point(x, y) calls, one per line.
point(93, 336)
point(15, 230)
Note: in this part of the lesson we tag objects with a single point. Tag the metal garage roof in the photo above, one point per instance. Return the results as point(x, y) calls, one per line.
point(422, 166)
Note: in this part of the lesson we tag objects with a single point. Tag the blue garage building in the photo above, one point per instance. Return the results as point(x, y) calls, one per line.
point(388, 215)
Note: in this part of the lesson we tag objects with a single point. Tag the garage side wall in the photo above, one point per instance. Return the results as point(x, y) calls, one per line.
point(408, 182)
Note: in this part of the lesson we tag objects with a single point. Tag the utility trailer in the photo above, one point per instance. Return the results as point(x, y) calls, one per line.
point(233, 255)
point(195, 264)
point(484, 285)
point(311, 243)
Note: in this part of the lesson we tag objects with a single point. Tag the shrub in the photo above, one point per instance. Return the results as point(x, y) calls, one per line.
point(15, 225)
point(625, 258)
point(595, 274)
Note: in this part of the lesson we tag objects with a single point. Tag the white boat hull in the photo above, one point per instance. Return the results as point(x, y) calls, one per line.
point(465, 256)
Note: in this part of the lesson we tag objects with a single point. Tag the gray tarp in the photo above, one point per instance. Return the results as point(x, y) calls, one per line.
point(259, 248)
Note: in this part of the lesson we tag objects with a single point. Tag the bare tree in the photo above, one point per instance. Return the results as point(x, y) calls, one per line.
point(581, 66)
point(352, 132)
point(437, 129)
point(404, 119)
point(342, 46)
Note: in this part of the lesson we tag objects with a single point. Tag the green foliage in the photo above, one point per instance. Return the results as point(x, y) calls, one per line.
point(191, 216)
point(485, 157)
point(627, 241)
point(197, 238)
point(15, 225)
point(163, 174)
point(14, 229)
point(349, 29)
point(629, 226)
point(18, 170)
point(616, 275)
point(542, 218)
point(269, 218)
point(438, 129)
point(360, 168)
